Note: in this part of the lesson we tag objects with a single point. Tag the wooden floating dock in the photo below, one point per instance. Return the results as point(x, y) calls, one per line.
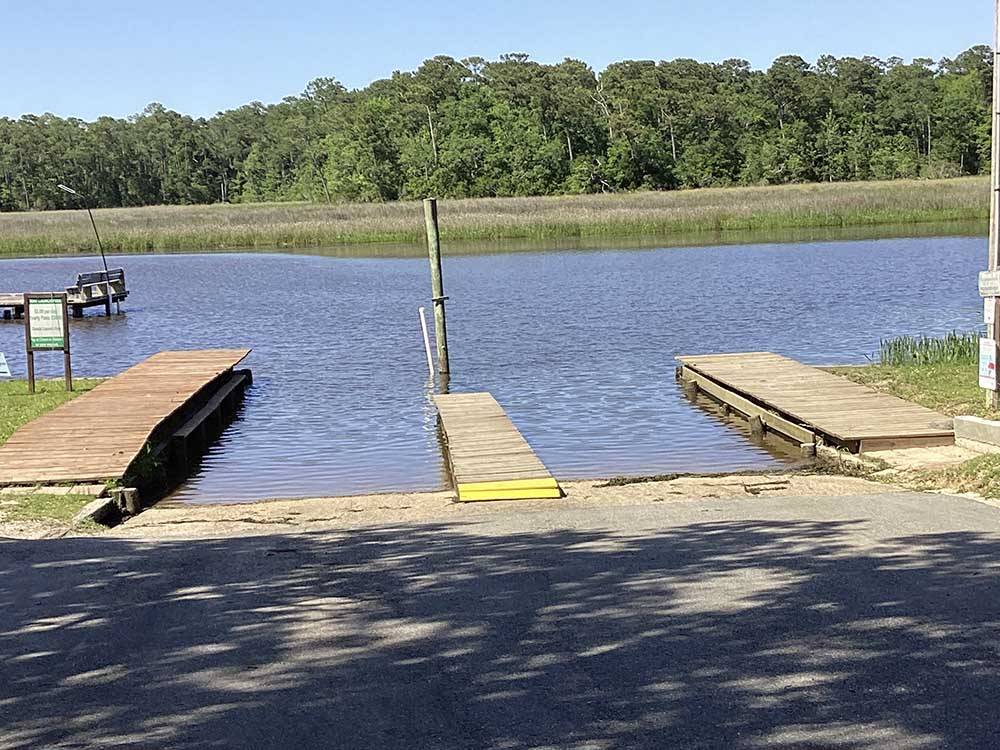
point(488, 456)
point(91, 290)
point(97, 436)
point(810, 405)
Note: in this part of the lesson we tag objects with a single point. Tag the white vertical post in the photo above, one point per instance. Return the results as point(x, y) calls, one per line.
point(992, 329)
point(427, 344)
point(994, 255)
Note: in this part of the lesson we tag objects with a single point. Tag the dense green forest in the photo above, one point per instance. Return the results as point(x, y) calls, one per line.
point(509, 127)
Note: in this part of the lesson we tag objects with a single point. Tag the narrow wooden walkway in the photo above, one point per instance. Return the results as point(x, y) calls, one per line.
point(97, 435)
point(489, 458)
point(801, 402)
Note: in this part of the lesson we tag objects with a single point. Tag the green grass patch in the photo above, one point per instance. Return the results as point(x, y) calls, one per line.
point(18, 407)
point(35, 507)
point(980, 475)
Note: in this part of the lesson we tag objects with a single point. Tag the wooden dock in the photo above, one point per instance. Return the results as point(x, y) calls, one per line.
point(810, 405)
point(488, 457)
point(11, 306)
point(97, 289)
point(97, 436)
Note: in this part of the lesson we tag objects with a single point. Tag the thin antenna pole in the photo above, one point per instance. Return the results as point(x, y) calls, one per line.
point(107, 274)
point(100, 246)
point(98, 236)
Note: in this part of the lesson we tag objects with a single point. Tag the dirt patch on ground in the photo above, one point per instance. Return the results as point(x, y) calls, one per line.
point(40, 529)
point(280, 516)
point(923, 459)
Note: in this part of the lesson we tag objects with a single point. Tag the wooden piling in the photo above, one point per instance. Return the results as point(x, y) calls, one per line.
point(437, 284)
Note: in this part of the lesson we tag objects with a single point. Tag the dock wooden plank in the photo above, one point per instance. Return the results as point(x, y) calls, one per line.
point(118, 418)
point(818, 401)
point(489, 458)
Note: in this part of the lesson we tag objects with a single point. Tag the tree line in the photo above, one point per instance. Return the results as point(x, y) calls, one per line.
point(513, 126)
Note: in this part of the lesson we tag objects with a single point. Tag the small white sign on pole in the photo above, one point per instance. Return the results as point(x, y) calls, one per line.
point(988, 364)
point(989, 310)
point(4, 368)
point(989, 283)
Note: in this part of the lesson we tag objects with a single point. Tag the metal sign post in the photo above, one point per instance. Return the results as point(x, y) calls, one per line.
point(988, 282)
point(46, 329)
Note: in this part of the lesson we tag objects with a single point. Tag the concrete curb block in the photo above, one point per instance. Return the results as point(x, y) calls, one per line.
point(97, 510)
point(974, 445)
point(977, 434)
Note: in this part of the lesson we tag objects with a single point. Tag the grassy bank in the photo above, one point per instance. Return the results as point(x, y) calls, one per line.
point(44, 511)
point(220, 227)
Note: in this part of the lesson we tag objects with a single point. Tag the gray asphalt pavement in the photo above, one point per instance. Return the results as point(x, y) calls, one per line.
point(867, 622)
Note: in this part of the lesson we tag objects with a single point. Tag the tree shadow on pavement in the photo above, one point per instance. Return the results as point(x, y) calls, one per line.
point(737, 634)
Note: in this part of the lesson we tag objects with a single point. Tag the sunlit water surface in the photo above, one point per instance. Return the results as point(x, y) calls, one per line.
point(578, 346)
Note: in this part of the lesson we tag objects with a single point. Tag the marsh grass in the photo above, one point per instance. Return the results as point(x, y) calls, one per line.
point(954, 348)
point(941, 374)
point(275, 225)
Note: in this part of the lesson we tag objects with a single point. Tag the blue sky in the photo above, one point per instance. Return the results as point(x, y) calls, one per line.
point(84, 58)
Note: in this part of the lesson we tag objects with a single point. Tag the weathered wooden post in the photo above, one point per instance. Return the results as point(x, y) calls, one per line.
point(437, 284)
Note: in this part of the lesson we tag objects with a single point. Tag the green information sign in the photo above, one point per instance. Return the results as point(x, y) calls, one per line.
point(46, 321)
point(46, 328)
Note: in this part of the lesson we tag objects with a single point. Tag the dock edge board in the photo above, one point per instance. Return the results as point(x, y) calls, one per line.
point(728, 397)
point(514, 489)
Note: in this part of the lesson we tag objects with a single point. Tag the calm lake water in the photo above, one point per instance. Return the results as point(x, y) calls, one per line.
point(578, 345)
